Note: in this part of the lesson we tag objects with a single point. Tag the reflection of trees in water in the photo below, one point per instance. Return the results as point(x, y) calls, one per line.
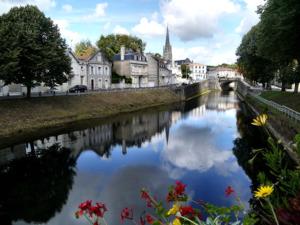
point(250, 138)
point(34, 188)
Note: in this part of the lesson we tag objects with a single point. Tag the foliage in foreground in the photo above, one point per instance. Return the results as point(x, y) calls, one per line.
point(31, 49)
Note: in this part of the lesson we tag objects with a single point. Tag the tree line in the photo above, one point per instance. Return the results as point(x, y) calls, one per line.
point(271, 49)
point(32, 51)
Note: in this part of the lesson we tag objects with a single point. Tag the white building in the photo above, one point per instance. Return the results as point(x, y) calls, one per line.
point(94, 72)
point(222, 72)
point(198, 71)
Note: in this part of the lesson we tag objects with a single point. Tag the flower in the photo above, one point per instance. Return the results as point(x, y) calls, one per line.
point(149, 219)
point(173, 210)
point(145, 195)
point(263, 191)
point(260, 120)
point(176, 222)
point(179, 188)
point(229, 190)
point(127, 213)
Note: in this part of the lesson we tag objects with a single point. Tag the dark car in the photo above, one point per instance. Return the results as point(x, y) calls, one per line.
point(78, 88)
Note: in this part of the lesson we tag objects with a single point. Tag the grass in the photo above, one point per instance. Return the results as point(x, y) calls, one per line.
point(24, 116)
point(289, 99)
point(285, 126)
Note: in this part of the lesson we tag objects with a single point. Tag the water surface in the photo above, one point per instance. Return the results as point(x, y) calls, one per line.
point(112, 161)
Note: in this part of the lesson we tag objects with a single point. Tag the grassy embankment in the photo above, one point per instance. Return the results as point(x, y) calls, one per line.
point(24, 116)
point(285, 126)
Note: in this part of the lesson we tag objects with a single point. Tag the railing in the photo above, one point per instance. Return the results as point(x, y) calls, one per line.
point(281, 108)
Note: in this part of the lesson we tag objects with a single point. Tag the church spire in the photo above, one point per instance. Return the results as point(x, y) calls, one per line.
point(167, 48)
point(167, 37)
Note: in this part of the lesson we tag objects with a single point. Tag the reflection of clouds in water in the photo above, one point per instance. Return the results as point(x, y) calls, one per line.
point(123, 190)
point(192, 148)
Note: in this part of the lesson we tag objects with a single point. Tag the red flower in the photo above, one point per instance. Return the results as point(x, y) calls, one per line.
point(186, 210)
point(179, 188)
point(96, 223)
point(85, 205)
point(145, 195)
point(149, 219)
point(127, 213)
point(229, 191)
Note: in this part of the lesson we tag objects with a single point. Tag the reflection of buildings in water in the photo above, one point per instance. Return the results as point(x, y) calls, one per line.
point(11, 153)
point(141, 128)
point(197, 112)
point(133, 131)
point(218, 101)
point(97, 138)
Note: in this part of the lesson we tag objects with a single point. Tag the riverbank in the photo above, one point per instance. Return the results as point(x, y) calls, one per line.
point(24, 116)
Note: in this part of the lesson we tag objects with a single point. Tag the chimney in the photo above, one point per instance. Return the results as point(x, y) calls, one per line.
point(122, 53)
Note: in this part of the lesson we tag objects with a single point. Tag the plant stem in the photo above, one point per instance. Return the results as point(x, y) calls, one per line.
point(88, 219)
point(187, 219)
point(272, 209)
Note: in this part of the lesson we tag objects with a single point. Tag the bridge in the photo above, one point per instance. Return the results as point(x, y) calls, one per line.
point(228, 83)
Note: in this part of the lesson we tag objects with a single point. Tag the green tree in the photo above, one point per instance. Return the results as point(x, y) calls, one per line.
point(111, 44)
point(31, 49)
point(253, 66)
point(185, 71)
point(279, 33)
point(85, 49)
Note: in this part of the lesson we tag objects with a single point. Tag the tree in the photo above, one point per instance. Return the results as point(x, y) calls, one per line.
point(185, 71)
point(279, 34)
point(31, 49)
point(85, 49)
point(253, 66)
point(111, 44)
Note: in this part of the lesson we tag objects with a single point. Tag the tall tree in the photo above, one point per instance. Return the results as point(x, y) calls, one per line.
point(85, 49)
point(279, 34)
point(111, 44)
point(253, 66)
point(31, 49)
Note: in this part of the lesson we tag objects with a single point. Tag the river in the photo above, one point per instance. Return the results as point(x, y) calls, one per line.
point(195, 142)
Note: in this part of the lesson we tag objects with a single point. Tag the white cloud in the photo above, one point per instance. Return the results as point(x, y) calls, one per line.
point(67, 8)
point(100, 9)
point(120, 30)
point(149, 27)
point(250, 16)
point(99, 12)
point(71, 37)
point(197, 18)
point(6, 5)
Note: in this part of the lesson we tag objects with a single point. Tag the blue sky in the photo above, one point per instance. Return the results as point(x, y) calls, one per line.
point(207, 31)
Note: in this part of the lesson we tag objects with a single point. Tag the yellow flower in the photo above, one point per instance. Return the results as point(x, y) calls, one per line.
point(263, 191)
point(176, 222)
point(173, 210)
point(260, 120)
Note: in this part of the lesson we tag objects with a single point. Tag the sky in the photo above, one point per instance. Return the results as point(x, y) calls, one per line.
point(206, 31)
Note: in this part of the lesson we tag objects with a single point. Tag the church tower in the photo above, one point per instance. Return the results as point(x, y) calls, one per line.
point(167, 48)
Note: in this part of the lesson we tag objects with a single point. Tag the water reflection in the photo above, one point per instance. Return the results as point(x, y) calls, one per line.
point(35, 187)
point(192, 142)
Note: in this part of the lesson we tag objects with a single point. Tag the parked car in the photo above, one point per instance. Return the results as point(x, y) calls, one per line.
point(78, 88)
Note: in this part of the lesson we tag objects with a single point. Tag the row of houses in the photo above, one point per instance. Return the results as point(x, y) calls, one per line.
point(142, 70)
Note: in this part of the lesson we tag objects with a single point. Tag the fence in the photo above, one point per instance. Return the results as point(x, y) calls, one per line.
point(281, 108)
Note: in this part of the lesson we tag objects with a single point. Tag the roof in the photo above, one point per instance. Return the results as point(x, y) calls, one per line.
point(130, 56)
point(184, 61)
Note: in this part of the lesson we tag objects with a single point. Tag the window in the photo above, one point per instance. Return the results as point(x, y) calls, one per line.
point(99, 70)
point(92, 70)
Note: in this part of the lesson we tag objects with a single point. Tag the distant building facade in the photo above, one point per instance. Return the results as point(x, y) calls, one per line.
point(222, 72)
point(133, 65)
point(198, 71)
point(94, 72)
point(158, 72)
